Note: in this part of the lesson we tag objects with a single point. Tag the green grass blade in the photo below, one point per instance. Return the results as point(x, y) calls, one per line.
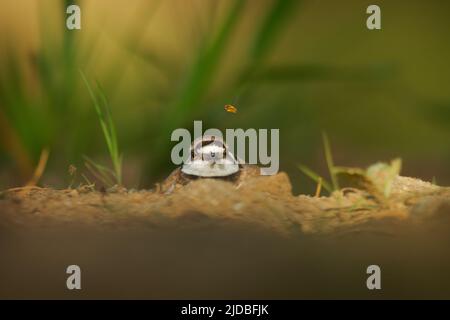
point(99, 167)
point(92, 94)
point(110, 124)
point(98, 173)
point(264, 41)
point(314, 176)
point(118, 169)
point(101, 103)
point(330, 163)
point(87, 180)
point(272, 24)
point(434, 181)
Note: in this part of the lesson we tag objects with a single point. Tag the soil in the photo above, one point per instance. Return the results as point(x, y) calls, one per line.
point(245, 237)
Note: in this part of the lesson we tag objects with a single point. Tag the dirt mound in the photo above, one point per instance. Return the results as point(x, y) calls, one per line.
point(266, 201)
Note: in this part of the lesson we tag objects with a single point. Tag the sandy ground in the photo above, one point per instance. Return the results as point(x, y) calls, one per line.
point(208, 238)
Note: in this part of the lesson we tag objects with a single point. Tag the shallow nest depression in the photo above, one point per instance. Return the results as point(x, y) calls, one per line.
point(263, 201)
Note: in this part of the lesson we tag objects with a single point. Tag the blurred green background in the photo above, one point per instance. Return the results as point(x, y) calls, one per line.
point(301, 66)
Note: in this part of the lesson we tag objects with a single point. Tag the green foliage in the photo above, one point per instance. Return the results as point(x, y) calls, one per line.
point(102, 109)
point(377, 179)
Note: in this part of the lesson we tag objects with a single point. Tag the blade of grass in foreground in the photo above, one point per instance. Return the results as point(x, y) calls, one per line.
point(314, 176)
point(101, 106)
point(329, 159)
point(100, 172)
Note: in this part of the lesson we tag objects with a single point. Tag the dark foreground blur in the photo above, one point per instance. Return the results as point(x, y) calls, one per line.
point(211, 260)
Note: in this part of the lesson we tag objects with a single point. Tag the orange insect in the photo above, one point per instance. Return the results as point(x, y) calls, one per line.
point(230, 108)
